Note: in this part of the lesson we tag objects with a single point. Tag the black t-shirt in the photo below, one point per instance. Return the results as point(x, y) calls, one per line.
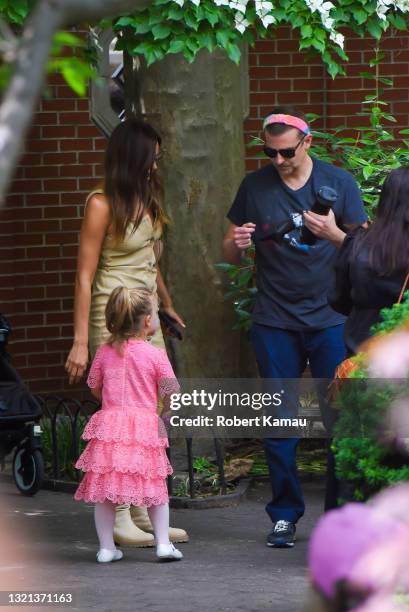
point(292, 280)
point(360, 292)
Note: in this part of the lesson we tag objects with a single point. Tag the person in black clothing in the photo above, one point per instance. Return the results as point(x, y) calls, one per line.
point(372, 263)
point(370, 271)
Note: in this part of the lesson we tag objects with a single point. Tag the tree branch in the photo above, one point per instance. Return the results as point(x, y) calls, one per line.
point(20, 99)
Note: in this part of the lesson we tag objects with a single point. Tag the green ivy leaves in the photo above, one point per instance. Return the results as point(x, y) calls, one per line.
point(165, 27)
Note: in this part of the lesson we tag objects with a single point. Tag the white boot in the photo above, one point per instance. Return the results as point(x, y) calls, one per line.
point(141, 519)
point(126, 533)
point(167, 552)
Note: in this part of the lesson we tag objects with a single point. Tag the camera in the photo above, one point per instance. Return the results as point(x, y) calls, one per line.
point(324, 201)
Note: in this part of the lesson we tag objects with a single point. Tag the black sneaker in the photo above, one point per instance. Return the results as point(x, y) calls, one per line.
point(282, 535)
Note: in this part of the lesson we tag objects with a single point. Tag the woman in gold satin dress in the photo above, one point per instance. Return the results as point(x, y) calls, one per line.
point(120, 246)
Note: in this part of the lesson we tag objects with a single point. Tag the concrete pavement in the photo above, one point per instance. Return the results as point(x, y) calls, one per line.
point(227, 567)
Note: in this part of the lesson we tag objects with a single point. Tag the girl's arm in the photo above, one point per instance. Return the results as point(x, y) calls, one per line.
point(97, 393)
point(93, 230)
point(165, 299)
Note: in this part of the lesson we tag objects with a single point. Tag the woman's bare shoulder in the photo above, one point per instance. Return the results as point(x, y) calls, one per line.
point(97, 205)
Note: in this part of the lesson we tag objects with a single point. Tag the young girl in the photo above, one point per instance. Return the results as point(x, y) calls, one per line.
point(125, 461)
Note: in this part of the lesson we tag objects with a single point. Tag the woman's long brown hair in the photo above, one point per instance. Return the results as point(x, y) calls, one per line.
point(132, 186)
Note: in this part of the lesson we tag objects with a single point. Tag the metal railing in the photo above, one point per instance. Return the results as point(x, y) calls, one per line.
point(62, 411)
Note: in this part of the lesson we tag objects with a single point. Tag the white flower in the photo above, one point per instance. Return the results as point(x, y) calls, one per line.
point(403, 5)
point(328, 22)
point(197, 2)
point(179, 2)
point(266, 20)
point(263, 7)
point(239, 5)
point(241, 24)
point(221, 2)
point(337, 38)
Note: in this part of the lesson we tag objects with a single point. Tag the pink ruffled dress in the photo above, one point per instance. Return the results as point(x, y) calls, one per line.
point(125, 459)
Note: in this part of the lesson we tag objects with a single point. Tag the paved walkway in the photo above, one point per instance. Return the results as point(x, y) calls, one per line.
point(227, 566)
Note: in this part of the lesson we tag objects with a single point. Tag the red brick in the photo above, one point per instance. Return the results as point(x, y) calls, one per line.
point(9, 254)
point(46, 279)
point(19, 361)
point(27, 320)
point(63, 91)
point(42, 145)
point(82, 104)
point(88, 184)
point(28, 346)
point(62, 238)
point(45, 306)
point(44, 332)
point(100, 144)
point(45, 118)
point(31, 293)
point(272, 85)
point(21, 267)
point(75, 145)
point(31, 159)
point(63, 184)
point(71, 250)
point(30, 373)
point(25, 186)
point(75, 118)
point(42, 252)
point(59, 318)
point(40, 199)
point(87, 131)
point(60, 158)
point(59, 131)
point(72, 225)
point(41, 171)
point(91, 157)
point(68, 277)
point(74, 198)
point(49, 225)
point(77, 170)
point(27, 239)
point(59, 264)
point(59, 105)
point(7, 294)
point(60, 291)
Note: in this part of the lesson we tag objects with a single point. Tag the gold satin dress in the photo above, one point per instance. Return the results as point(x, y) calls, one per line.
point(132, 264)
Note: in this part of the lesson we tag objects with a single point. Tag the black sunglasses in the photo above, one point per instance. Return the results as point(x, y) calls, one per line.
point(287, 153)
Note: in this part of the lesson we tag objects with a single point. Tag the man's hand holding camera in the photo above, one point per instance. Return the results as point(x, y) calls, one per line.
point(325, 227)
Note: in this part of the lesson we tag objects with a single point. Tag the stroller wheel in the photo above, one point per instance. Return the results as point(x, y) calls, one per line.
point(28, 470)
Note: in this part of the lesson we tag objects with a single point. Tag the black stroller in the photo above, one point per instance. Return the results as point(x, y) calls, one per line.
point(19, 428)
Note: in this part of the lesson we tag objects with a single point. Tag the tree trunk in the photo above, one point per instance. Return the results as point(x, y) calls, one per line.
point(198, 109)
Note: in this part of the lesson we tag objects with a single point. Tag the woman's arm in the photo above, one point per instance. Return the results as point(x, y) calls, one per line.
point(165, 299)
point(93, 230)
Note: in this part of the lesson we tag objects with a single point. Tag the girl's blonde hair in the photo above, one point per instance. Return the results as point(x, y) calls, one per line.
point(125, 311)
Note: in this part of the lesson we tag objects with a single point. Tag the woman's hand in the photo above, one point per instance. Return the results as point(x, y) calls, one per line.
point(173, 314)
point(77, 361)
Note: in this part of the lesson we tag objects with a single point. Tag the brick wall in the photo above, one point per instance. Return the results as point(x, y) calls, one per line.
point(40, 224)
point(39, 234)
point(280, 75)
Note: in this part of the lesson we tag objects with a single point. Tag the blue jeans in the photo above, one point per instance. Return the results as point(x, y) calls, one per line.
point(283, 353)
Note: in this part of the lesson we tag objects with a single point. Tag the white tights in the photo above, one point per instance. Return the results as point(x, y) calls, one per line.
point(159, 516)
point(104, 515)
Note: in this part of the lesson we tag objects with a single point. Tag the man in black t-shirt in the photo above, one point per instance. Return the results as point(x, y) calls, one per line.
point(292, 323)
